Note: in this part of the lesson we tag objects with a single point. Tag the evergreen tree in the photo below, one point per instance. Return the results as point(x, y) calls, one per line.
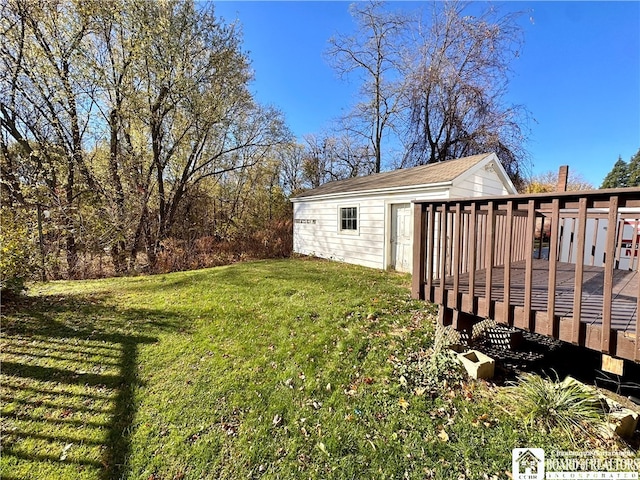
point(618, 177)
point(634, 170)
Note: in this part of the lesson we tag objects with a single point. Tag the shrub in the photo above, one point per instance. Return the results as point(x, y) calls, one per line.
point(17, 252)
point(434, 370)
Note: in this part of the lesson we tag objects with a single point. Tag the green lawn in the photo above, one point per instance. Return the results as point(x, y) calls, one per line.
point(274, 369)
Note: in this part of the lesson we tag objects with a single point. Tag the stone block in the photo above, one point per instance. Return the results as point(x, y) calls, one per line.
point(477, 364)
point(623, 422)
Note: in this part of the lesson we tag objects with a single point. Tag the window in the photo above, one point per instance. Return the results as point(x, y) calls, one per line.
point(349, 219)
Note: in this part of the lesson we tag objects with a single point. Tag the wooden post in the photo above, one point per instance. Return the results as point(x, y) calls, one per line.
point(579, 271)
point(609, 257)
point(553, 266)
point(471, 241)
point(418, 273)
point(431, 252)
point(528, 278)
point(637, 345)
point(443, 254)
point(489, 245)
point(455, 245)
point(563, 176)
point(507, 263)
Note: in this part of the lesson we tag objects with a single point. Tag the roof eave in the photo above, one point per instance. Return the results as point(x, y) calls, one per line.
point(356, 193)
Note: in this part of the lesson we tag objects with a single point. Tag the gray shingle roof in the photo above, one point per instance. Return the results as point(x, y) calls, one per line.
point(406, 177)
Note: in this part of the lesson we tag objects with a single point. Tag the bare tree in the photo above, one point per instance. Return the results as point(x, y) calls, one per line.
point(117, 111)
point(373, 52)
point(328, 157)
point(456, 85)
point(45, 103)
point(290, 159)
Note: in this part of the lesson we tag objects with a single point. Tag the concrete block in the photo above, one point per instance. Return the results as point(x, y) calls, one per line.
point(477, 364)
point(623, 422)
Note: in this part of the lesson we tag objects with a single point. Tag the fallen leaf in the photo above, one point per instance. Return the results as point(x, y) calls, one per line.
point(403, 403)
point(420, 391)
point(323, 449)
point(443, 435)
point(277, 420)
point(65, 450)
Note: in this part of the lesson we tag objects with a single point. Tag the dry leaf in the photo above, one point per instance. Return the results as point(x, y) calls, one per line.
point(420, 391)
point(277, 420)
point(443, 435)
point(403, 403)
point(65, 450)
point(323, 449)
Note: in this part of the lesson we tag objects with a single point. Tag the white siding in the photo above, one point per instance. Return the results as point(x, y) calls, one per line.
point(478, 182)
point(316, 228)
point(319, 235)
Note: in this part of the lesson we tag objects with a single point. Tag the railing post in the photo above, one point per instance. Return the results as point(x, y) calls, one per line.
point(419, 246)
point(507, 262)
point(489, 241)
point(431, 220)
point(609, 260)
point(443, 254)
point(471, 241)
point(553, 266)
point(579, 271)
point(637, 343)
point(455, 244)
point(635, 243)
point(528, 274)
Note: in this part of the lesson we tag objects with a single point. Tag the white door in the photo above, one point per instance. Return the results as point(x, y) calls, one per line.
point(401, 237)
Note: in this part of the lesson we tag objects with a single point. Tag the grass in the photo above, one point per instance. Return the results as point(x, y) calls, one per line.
point(548, 404)
point(274, 369)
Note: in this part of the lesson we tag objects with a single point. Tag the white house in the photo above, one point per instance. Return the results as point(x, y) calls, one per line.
point(369, 220)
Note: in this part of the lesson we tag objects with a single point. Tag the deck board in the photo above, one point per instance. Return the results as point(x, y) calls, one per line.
point(625, 288)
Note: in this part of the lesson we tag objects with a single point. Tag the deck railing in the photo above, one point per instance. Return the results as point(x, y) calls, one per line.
point(468, 253)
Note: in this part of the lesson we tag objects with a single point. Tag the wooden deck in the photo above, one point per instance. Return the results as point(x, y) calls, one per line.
point(591, 298)
point(624, 311)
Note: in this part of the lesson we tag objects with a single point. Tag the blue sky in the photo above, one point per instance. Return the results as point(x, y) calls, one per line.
point(578, 74)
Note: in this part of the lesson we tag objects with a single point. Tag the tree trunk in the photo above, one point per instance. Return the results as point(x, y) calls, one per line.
point(118, 249)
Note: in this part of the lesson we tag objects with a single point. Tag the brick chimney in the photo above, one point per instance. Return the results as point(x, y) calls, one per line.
point(563, 176)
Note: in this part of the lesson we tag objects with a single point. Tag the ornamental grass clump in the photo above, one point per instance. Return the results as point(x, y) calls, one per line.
point(548, 404)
